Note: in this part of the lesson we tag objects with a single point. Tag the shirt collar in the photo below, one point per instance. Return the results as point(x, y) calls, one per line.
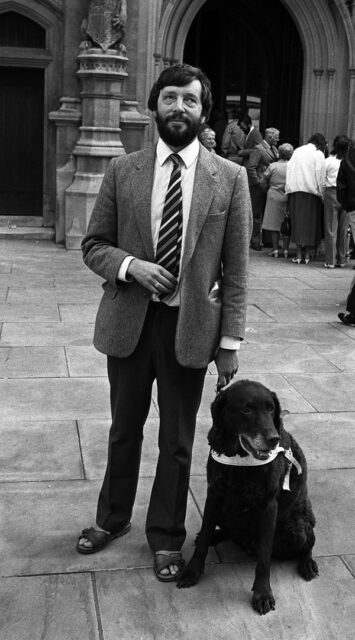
point(188, 154)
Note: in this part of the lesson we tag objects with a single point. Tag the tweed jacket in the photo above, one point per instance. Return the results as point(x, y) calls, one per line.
point(216, 251)
point(260, 157)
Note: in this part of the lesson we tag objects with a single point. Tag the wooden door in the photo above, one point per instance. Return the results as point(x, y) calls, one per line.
point(21, 141)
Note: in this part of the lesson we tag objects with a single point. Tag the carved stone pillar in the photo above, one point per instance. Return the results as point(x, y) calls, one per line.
point(330, 102)
point(351, 116)
point(317, 121)
point(102, 74)
point(67, 120)
point(133, 126)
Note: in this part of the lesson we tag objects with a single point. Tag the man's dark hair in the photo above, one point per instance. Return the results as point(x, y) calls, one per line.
point(319, 141)
point(340, 146)
point(179, 75)
point(245, 120)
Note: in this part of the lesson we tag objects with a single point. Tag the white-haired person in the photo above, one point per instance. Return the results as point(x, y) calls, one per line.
point(274, 182)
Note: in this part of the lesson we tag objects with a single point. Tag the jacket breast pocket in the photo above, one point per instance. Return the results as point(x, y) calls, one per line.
point(212, 218)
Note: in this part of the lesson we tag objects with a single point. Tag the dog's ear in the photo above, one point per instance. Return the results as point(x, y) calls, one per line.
point(215, 434)
point(277, 416)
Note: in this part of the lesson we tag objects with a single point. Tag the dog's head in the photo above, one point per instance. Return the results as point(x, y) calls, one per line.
point(246, 419)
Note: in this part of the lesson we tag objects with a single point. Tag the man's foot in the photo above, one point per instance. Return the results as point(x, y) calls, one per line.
point(347, 319)
point(168, 565)
point(93, 540)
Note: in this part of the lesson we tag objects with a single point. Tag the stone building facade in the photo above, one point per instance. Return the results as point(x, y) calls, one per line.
point(70, 102)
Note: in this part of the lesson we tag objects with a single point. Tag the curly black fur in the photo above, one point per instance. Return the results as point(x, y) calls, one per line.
point(250, 504)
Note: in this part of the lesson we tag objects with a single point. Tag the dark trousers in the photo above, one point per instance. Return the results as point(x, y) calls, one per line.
point(179, 396)
point(258, 200)
point(350, 303)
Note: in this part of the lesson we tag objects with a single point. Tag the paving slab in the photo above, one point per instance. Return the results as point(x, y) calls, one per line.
point(47, 334)
point(32, 295)
point(55, 607)
point(134, 607)
point(85, 361)
point(272, 358)
point(281, 283)
point(323, 333)
point(326, 391)
point(41, 534)
point(82, 313)
point(343, 356)
point(54, 398)
point(37, 451)
point(28, 312)
point(32, 362)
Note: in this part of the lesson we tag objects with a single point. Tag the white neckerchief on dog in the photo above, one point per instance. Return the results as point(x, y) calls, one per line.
point(250, 461)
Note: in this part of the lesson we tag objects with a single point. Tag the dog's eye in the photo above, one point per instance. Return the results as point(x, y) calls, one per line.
point(246, 409)
point(270, 408)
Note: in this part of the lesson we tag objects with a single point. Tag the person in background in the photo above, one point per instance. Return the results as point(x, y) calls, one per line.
point(261, 156)
point(252, 137)
point(346, 186)
point(273, 183)
point(305, 186)
point(219, 122)
point(232, 142)
point(169, 234)
point(335, 217)
point(207, 137)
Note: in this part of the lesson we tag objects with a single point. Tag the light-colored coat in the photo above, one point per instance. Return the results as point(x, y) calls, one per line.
point(216, 249)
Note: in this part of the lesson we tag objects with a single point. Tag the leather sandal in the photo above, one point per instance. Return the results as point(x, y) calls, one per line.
point(99, 539)
point(163, 559)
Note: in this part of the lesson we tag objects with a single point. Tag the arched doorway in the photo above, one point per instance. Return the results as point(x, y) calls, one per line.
point(248, 49)
point(21, 120)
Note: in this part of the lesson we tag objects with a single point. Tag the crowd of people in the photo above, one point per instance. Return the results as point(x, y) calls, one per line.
point(304, 187)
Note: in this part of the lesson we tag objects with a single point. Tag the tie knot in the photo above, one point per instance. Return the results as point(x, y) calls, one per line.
point(175, 158)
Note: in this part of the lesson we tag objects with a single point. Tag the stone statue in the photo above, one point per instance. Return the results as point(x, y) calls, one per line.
point(105, 25)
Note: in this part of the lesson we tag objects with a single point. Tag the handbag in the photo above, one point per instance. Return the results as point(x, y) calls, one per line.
point(285, 228)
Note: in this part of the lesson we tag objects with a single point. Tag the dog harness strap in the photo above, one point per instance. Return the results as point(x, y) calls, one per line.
point(250, 461)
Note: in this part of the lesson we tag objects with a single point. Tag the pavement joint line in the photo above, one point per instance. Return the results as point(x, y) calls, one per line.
point(97, 606)
point(347, 565)
point(80, 450)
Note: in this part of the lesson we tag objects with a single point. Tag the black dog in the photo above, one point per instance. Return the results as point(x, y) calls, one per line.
point(257, 489)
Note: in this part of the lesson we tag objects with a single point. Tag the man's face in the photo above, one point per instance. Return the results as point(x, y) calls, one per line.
point(208, 138)
point(178, 114)
point(273, 139)
point(245, 127)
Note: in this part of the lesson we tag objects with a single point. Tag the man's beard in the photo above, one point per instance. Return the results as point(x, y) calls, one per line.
point(175, 137)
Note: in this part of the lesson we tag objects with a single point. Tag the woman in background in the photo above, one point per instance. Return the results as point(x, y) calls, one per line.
point(305, 186)
point(274, 181)
point(335, 217)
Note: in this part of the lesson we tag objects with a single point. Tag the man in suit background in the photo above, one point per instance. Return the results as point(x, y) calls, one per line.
point(252, 137)
point(165, 321)
point(259, 159)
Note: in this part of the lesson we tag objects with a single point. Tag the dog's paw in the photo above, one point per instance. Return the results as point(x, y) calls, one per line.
point(190, 575)
point(263, 602)
point(308, 568)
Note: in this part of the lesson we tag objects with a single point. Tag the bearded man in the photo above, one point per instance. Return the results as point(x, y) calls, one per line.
point(169, 234)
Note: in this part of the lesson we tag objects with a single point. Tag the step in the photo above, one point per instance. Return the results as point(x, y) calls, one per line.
point(21, 221)
point(27, 233)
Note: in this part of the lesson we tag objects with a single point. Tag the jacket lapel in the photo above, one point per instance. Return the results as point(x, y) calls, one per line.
point(204, 186)
point(141, 186)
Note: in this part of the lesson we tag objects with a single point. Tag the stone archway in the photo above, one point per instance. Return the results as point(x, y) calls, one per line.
point(328, 40)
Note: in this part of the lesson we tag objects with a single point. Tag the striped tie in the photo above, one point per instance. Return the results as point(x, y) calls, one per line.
point(170, 232)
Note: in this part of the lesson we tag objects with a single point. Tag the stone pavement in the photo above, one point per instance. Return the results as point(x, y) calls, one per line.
point(53, 424)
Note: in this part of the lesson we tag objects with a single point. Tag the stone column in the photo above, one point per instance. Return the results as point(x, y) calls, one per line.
point(351, 113)
point(67, 120)
point(317, 124)
point(133, 126)
point(102, 74)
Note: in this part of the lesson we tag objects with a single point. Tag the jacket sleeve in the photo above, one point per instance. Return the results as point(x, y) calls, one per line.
point(252, 166)
point(100, 251)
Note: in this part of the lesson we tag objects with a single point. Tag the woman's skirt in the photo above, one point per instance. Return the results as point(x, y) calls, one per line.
point(305, 212)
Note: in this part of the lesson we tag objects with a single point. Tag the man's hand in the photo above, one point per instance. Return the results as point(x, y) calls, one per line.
point(227, 366)
point(152, 276)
